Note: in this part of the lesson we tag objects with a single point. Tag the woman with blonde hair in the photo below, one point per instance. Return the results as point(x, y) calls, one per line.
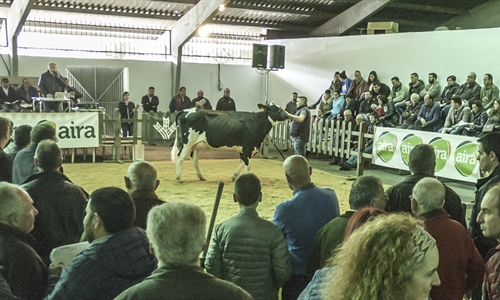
point(391, 257)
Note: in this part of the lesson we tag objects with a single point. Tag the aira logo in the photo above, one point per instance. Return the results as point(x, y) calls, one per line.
point(442, 148)
point(385, 146)
point(409, 142)
point(465, 158)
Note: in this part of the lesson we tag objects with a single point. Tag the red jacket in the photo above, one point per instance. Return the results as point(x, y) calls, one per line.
point(492, 275)
point(461, 267)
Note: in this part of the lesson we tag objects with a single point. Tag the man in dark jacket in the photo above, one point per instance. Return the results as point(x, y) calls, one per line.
point(61, 204)
point(150, 101)
point(176, 231)
point(118, 256)
point(488, 157)
point(200, 101)
point(422, 162)
point(23, 269)
point(381, 89)
point(226, 102)
point(51, 82)
point(141, 182)
point(8, 97)
point(26, 92)
point(489, 219)
point(429, 117)
point(180, 101)
point(470, 90)
point(5, 160)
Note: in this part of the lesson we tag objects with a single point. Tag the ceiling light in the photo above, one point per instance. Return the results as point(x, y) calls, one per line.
point(222, 7)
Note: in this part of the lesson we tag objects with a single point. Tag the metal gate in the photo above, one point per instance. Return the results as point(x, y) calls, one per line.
point(100, 85)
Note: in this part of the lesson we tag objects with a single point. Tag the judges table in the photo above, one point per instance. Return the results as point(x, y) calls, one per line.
point(54, 100)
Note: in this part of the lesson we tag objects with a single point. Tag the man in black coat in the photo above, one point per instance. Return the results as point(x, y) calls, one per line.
point(51, 82)
point(61, 203)
point(150, 101)
point(422, 162)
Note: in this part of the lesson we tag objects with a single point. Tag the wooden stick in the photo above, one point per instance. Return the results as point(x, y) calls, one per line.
point(220, 187)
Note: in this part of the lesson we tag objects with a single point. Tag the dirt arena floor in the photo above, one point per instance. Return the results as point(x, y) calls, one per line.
point(275, 190)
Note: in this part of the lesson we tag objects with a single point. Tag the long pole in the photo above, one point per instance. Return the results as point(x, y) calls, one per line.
point(220, 187)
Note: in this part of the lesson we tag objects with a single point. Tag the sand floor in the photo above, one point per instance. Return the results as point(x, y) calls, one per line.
point(274, 186)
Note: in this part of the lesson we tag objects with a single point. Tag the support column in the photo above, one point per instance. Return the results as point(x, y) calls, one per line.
point(349, 18)
point(18, 12)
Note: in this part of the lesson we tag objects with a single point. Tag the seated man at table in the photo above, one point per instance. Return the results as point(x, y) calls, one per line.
point(25, 95)
point(8, 97)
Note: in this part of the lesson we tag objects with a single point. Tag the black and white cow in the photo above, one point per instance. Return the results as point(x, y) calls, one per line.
point(222, 130)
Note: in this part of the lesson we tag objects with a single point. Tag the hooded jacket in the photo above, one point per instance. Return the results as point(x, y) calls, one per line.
point(107, 267)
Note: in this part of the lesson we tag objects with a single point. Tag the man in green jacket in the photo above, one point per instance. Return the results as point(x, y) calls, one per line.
point(247, 250)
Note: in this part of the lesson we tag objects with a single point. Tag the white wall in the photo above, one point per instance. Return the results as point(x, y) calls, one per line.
point(311, 63)
point(246, 86)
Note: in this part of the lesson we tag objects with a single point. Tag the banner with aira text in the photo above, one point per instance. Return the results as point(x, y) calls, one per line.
point(455, 154)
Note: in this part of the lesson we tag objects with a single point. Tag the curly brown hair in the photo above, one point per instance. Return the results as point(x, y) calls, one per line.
point(379, 259)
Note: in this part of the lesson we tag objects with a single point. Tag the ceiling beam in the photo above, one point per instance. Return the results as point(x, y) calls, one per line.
point(107, 13)
point(349, 18)
point(286, 27)
point(316, 13)
point(185, 28)
point(18, 12)
point(428, 8)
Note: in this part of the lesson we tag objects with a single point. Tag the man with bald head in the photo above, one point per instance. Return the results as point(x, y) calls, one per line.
point(201, 101)
point(23, 269)
point(301, 217)
point(141, 182)
point(461, 267)
point(422, 163)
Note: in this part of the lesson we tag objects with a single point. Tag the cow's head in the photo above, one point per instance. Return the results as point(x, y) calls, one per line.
point(274, 112)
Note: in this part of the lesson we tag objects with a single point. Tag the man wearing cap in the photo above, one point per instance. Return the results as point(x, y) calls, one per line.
point(8, 98)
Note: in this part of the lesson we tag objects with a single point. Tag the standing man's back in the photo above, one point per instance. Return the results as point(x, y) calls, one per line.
point(461, 267)
point(176, 232)
point(301, 217)
point(141, 183)
point(247, 250)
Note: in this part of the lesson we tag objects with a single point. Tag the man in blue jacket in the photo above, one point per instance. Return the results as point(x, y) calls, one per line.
point(429, 117)
point(301, 217)
point(118, 256)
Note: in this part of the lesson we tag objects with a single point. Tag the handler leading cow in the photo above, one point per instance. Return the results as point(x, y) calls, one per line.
point(222, 130)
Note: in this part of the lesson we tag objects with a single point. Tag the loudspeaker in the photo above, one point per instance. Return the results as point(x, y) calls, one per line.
point(277, 57)
point(259, 56)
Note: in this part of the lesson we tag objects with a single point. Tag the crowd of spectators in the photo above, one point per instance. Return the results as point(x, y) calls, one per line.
point(418, 106)
point(141, 247)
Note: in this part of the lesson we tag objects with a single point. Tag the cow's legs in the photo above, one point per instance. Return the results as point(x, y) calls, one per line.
point(244, 162)
point(180, 159)
point(195, 164)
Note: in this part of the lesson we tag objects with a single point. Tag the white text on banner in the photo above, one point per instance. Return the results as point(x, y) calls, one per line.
point(74, 130)
point(455, 154)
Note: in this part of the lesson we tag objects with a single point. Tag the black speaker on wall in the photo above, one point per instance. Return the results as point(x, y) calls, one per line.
point(259, 56)
point(276, 57)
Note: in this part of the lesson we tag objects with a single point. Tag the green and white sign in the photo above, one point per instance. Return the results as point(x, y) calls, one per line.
point(455, 155)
